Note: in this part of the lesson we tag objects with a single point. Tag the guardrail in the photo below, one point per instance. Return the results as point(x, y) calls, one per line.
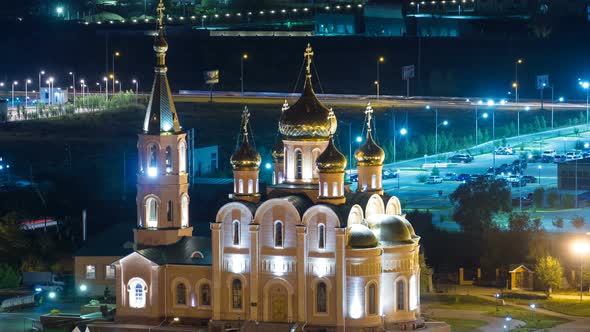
point(16, 302)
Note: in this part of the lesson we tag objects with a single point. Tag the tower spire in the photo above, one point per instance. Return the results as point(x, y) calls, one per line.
point(161, 114)
point(245, 122)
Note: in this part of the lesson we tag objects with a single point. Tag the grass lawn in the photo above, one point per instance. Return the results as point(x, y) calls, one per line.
point(467, 302)
point(564, 306)
point(462, 325)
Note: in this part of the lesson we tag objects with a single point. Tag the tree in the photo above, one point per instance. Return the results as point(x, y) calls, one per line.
point(476, 202)
point(578, 222)
point(553, 199)
point(558, 222)
point(538, 197)
point(9, 278)
point(549, 273)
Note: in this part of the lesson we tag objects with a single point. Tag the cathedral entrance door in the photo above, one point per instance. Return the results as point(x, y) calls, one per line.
point(278, 303)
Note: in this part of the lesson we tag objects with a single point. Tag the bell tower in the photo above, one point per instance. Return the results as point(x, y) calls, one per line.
point(162, 179)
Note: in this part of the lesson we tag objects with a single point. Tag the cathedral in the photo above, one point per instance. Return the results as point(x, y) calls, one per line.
point(309, 253)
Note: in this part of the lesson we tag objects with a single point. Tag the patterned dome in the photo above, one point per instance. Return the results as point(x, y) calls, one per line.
point(331, 160)
point(307, 118)
point(392, 228)
point(369, 153)
point(278, 151)
point(246, 157)
point(160, 43)
point(361, 237)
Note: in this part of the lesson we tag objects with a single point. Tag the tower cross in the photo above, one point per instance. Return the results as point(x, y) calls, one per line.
point(245, 120)
point(369, 114)
point(160, 11)
point(308, 55)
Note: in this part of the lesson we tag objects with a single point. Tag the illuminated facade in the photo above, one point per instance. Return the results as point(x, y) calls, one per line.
point(309, 252)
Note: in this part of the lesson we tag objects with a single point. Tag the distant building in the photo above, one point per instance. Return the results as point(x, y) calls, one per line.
point(384, 20)
point(58, 95)
point(574, 174)
point(337, 24)
point(93, 263)
point(206, 160)
point(521, 277)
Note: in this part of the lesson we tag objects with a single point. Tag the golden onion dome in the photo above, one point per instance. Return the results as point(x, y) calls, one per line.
point(361, 237)
point(246, 157)
point(278, 151)
point(307, 118)
point(160, 43)
point(369, 153)
point(331, 160)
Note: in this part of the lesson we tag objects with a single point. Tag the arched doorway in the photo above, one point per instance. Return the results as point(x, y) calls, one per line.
point(278, 309)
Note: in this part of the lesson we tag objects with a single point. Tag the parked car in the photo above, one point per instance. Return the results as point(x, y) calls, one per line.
point(461, 158)
point(535, 159)
point(559, 158)
point(572, 155)
point(503, 150)
point(389, 174)
point(450, 176)
point(526, 202)
point(464, 177)
point(548, 153)
point(516, 181)
point(529, 179)
point(547, 159)
point(434, 180)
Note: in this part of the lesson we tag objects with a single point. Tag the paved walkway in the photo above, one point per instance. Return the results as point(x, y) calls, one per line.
point(494, 324)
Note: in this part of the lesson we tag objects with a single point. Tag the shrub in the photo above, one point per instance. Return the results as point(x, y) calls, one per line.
point(435, 171)
point(9, 278)
point(553, 199)
point(568, 201)
point(558, 222)
point(54, 312)
point(578, 222)
point(422, 178)
point(538, 197)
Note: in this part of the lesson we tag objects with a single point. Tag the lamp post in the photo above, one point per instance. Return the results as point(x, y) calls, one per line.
point(540, 167)
point(533, 307)
point(136, 82)
point(41, 73)
point(106, 88)
point(516, 63)
point(436, 125)
point(13, 84)
point(119, 82)
point(527, 108)
point(27, 82)
point(585, 85)
point(116, 54)
point(74, 85)
point(82, 85)
point(581, 248)
point(380, 60)
point(515, 87)
point(50, 90)
point(476, 125)
point(242, 58)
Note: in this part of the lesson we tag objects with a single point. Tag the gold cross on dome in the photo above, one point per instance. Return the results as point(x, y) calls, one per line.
point(308, 54)
point(160, 11)
point(369, 114)
point(245, 119)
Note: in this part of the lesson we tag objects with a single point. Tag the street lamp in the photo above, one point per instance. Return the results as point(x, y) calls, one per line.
point(27, 82)
point(74, 85)
point(540, 167)
point(585, 85)
point(136, 82)
point(50, 80)
point(533, 307)
point(41, 73)
point(380, 60)
point(118, 82)
point(116, 54)
point(106, 88)
point(13, 84)
point(436, 125)
point(82, 85)
point(244, 57)
point(479, 102)
point(526, 108)
point(515, 85)
point(581, 248)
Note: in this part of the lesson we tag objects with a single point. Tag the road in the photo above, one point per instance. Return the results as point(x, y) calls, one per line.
point(21, 320)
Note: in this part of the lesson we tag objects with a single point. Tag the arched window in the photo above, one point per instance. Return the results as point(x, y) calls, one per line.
point(314, 155)
point(169, 213)
point(250, 186)
point(153, 160)
point(151, 212)
point(374, 181)
point(136, 289)
point(184, 211)
point(182, 157)
point(278, 234)
point(181, 294)
point(335, 189)
point(321, 298)
point(205, 292)
point(168, 160)
point(400, 288)
point(372, 299)
point(236, 294)
point(326, 194)
point(298, 165)
point(236, 233)
point(274, 179)
point(413, 293)
point(240, 186)
point(321, 236)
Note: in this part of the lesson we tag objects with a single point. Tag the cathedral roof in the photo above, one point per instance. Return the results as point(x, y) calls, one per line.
point(184, 252)
point(161, 116)
point(391, 229)
point(331, 160)
point(369, 153)
point(361, 237)
point(308, 118)
point(245, 157)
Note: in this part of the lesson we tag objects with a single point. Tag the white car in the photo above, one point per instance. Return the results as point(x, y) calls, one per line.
point(572, 156)
point(434, 180)
point(504, 150)
point(549, 153)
